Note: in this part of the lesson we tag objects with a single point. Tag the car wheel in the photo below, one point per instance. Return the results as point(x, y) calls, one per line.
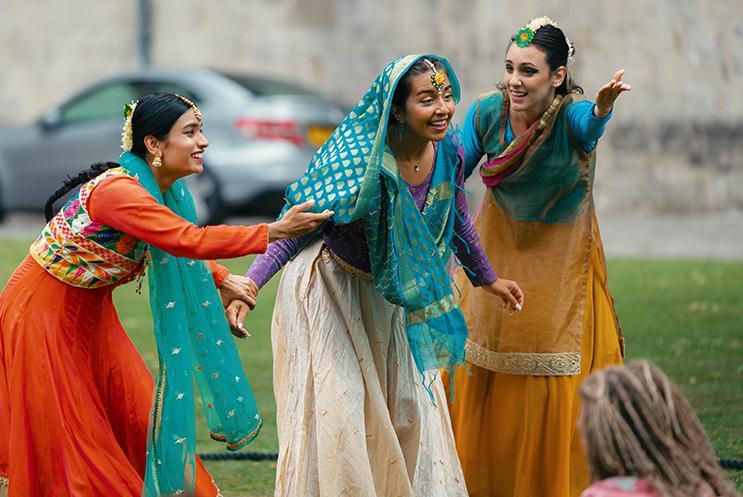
point(206, 193)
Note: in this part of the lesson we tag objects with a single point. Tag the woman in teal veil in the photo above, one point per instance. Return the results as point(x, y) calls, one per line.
point(76, 398)
point(365, 313)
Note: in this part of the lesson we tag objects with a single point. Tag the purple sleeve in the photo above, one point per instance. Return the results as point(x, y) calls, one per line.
point(275, 257)
point(467, 245)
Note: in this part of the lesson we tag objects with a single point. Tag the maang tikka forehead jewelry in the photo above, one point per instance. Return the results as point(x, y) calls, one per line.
point(438, 80)
point(188, 102)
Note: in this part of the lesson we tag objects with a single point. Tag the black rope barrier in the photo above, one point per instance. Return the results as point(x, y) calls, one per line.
point(239, 456)
point(271, 456)
point(731, 463)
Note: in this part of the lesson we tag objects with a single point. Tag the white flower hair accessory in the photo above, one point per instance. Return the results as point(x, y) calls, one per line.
point(126, 132)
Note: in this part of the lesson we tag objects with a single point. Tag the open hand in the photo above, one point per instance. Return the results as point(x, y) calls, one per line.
point(297, 221)
point(236, 313)
point(608, 93)
point(509, 291)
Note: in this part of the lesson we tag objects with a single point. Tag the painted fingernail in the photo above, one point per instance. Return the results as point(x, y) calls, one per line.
point(518, 307)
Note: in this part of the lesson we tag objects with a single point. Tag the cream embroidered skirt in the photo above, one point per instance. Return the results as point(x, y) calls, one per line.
point(353, 416)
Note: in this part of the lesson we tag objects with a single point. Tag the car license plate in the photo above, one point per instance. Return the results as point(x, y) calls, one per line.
point(316, 135)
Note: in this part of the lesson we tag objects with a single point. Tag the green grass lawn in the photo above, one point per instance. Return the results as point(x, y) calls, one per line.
point(687, 316)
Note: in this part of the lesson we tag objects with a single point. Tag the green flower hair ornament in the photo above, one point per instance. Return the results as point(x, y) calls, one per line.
point(129, 108)
point(524, 37)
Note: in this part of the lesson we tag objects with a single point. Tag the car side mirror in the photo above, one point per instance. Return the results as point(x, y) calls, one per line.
point(51, 119)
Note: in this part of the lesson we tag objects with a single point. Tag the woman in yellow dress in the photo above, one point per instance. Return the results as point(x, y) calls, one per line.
point(515, 417)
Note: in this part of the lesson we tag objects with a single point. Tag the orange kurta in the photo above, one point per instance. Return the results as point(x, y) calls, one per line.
point(75, 394)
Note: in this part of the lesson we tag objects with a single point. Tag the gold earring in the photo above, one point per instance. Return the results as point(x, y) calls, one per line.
point(157, 161)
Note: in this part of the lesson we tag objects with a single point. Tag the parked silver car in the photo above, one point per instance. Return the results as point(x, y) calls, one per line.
point(262, 134)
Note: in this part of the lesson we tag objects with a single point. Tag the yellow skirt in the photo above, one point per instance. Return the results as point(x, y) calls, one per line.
point(517, 435)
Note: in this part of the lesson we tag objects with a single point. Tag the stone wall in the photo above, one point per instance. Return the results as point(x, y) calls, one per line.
point(674, 142)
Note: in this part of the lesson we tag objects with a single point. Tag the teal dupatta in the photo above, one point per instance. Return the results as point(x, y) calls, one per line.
point(355, 174)
point(193, 339)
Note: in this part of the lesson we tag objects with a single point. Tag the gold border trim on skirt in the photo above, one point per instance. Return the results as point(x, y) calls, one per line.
point(524, 363)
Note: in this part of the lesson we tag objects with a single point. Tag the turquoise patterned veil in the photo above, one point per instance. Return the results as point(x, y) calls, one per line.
point(193, 340)
point(355, 174)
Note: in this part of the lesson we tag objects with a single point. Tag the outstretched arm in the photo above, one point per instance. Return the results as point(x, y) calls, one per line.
point(123, 204)
point(587, 120)
point(607, 94)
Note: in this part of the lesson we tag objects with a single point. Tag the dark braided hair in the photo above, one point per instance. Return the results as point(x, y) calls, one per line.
point(154, 115)
point(552, 42)
point(73, 181)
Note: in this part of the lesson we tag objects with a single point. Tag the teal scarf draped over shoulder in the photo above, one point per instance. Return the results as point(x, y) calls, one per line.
point(355, 174)
point(193, 339)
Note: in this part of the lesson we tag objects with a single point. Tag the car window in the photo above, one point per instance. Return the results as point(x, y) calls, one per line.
point(104, 103)
point(164, 86)
point(268, 87)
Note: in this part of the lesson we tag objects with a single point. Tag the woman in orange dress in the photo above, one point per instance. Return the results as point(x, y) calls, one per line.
point(75, 395)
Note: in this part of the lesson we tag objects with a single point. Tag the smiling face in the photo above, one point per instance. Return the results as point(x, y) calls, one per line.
point(183, 148)
point(528, 79)
point(427, 112)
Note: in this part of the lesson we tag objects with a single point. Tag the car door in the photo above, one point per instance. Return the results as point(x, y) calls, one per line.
point(87, 130)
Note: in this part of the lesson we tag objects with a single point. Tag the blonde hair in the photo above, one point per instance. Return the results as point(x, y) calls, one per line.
point(635, 422)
